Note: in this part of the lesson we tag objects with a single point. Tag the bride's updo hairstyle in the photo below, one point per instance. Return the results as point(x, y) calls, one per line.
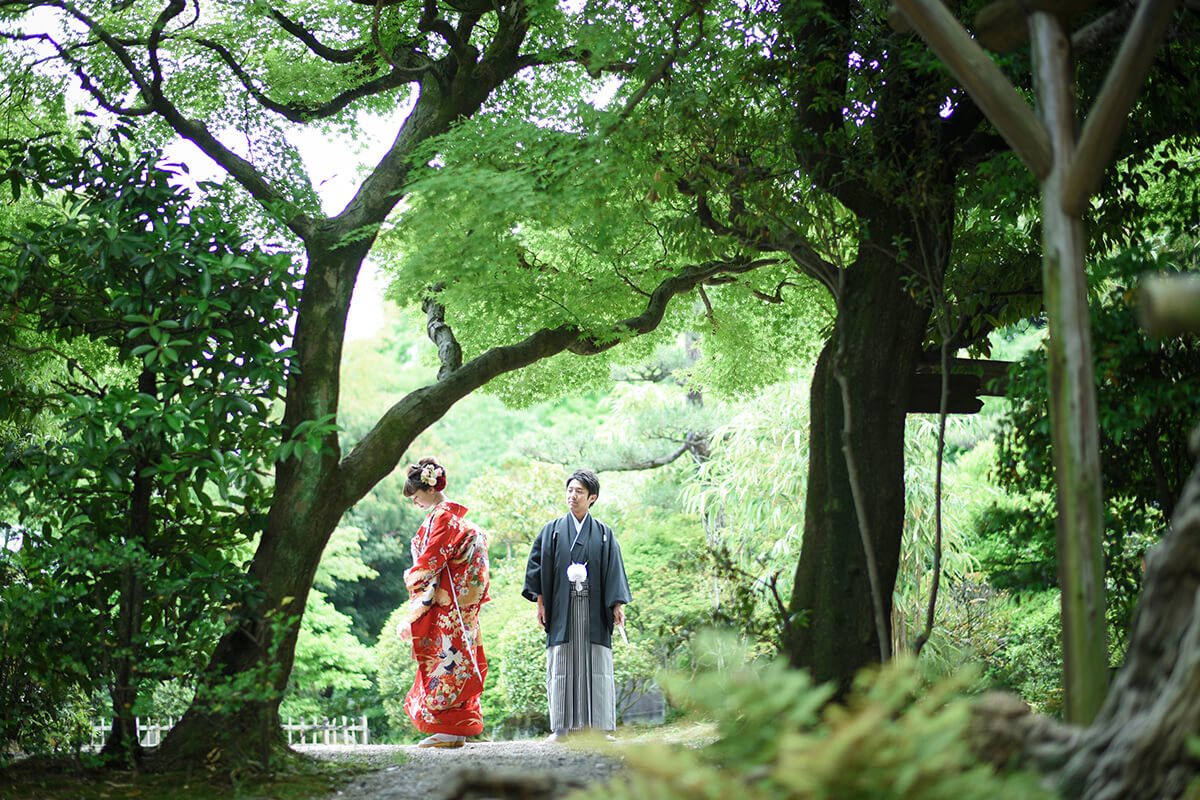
point(425, 474)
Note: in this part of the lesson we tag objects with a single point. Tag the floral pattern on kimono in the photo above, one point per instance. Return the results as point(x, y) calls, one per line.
point(449, 555)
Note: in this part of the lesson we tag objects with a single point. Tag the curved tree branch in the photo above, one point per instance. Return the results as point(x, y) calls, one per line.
point(803, 254)
point(305, 113)
point(430, 22)
point(310, 41)
point(584, 58)
point(238, 168)
point(173, 9)
point(151, 90)
point(1104, 29)
point(382, 448)
point(65, 53)
point(115, 46)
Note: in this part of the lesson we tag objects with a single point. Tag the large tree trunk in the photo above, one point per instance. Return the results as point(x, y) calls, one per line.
point(881, 328)
point(236, 710)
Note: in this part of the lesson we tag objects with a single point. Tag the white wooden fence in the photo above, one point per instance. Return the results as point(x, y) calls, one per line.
point(340, 730)
point(328, 731)
point(149, 731)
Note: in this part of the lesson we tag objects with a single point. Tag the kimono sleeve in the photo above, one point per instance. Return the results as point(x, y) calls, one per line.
point(423, 577)
point(533, 569)
point(616, 585)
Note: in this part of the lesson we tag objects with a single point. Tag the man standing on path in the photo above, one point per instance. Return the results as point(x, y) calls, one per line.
point(576, 577)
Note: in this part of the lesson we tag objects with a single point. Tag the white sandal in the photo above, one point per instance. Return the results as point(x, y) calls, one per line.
point(442, 740)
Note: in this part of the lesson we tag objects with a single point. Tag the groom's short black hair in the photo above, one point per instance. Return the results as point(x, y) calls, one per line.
point(588, 479)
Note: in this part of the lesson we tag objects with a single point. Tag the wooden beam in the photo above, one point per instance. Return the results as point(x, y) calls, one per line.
point(925, 394)
point(988, 87)
point(1108, 113)
point(992, 373)
point(1003, 26)
point(1169, 305)
point(970, 380)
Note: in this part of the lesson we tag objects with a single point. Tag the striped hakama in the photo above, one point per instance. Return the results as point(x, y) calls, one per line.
point(579, 674)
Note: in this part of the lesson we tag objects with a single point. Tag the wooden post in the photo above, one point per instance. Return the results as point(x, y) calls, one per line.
point(1170, 304)
point(1107, 116)
point(1073, 417)
point(1068, 179)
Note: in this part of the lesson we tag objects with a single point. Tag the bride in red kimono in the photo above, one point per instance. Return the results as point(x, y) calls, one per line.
point(447, 585)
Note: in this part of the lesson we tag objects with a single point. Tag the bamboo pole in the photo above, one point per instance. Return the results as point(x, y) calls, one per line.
point(1074, 423)
point(1107, 116)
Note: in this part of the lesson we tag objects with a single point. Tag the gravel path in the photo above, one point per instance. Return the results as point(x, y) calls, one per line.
point(526, 769)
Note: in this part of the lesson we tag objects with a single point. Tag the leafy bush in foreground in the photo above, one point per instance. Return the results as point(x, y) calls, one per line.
point(779, 738)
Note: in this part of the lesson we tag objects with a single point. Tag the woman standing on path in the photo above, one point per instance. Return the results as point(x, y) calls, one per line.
point(447, 584)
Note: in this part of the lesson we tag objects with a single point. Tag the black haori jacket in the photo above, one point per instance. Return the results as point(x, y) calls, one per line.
point(546, 574)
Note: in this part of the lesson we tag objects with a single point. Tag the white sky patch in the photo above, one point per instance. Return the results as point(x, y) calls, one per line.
point(336, 166)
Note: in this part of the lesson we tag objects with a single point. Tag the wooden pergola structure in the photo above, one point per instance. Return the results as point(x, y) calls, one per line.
point(1069, 163)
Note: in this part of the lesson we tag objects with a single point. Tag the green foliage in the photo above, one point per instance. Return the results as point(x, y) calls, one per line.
point(671, 575)
point(511, 497)
point(751, 492)
point(966, 494)
point(779, 737)
point(1146, 409)
point(131, 504)
point(750, 496)
point(1030, 662)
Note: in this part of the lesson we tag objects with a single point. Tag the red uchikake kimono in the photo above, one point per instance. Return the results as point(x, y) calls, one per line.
point(451, 666)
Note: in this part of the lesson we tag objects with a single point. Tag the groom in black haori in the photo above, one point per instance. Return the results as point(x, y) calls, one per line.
point(576, 577)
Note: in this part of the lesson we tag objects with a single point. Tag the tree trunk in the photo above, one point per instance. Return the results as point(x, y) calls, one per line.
point(882, 328)
point(235, 714)
point(122, 744)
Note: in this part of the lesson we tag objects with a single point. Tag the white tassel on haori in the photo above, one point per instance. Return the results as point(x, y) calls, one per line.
point(577, 574)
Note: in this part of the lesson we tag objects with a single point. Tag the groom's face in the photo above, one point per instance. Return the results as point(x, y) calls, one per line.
point(578, 499)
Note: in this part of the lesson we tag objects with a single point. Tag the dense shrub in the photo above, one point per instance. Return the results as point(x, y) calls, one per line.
point(521, 649)
point(894, 738)
point(1030, 662)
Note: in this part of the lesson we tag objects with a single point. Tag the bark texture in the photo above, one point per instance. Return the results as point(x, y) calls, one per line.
point(881, 328)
